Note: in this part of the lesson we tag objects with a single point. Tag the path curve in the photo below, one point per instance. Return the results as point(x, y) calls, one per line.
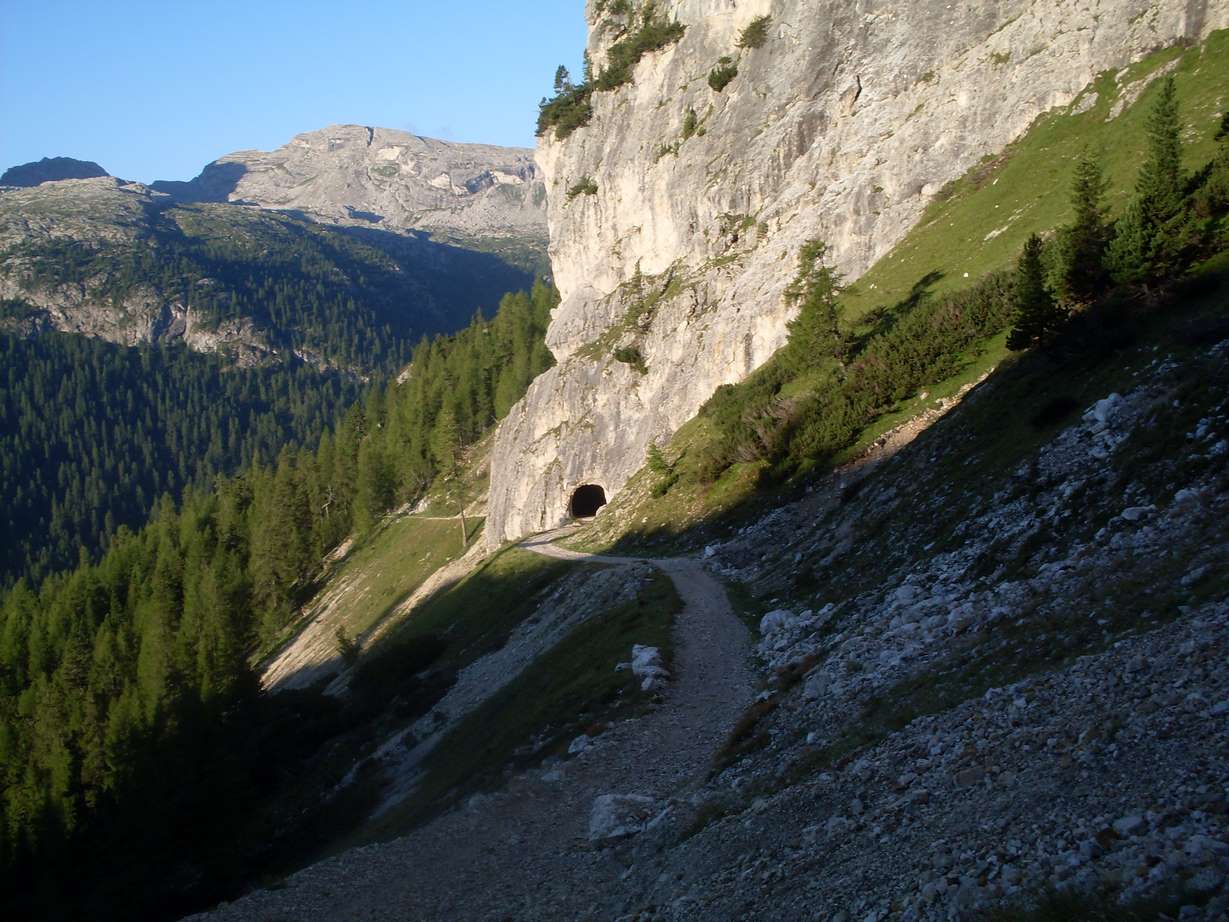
point(524, 853)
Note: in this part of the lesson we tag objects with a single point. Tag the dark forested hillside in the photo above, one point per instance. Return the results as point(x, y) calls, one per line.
point(91, 434)
point(138, 759)
point(281, 308)
point(231, 278)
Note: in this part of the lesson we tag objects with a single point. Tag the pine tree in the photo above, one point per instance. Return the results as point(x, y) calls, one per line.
point(815, 332)
point(1082, 275)
point(1151, 235)
point(1037, 314)
point(375, 489)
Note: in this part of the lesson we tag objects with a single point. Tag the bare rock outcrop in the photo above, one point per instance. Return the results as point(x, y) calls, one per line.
point(353, 174)
point(674, 248)
point(50, 169)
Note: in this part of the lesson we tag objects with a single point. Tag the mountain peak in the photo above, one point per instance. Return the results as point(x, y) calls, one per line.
point(51, 169)
point(359, 174)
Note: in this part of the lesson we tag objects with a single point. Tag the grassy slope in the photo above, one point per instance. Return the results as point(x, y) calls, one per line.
point(977, 224)
point(380, 572)
point(476, 615)
point(571, 689)
point(395, 561)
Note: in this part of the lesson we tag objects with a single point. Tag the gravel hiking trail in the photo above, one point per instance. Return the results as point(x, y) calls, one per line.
point(524, 853)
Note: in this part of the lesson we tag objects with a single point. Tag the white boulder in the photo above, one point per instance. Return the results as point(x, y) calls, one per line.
point(615, 816)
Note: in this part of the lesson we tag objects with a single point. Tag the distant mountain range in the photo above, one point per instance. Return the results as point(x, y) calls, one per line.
point(354, 174)
point(341, 247)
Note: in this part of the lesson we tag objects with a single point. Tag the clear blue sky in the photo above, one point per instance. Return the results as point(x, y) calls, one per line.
point(155, 90)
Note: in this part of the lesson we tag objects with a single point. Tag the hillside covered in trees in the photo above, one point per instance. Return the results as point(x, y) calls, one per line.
point(125, 264)
point(252, 329)
point(135, 748)
point(92, 433)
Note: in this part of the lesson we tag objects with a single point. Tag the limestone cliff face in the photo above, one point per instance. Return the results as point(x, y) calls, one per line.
point(843, 125)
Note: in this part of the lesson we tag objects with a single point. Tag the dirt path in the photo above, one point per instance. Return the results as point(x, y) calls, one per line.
point(524, 853)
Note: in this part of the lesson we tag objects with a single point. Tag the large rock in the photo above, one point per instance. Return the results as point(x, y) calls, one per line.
point(844, 126)
point(616, 816)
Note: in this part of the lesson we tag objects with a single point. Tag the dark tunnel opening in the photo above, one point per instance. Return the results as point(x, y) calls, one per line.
point(587, 500)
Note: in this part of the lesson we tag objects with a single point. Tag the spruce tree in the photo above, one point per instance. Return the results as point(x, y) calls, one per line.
point(1037, 314)
point(1082, 275)
point(815, 332)
point(1150, 236)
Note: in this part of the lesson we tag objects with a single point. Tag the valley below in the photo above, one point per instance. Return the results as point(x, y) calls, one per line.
point(798, 490)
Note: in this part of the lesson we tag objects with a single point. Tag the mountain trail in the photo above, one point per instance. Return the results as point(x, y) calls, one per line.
point(525, 852)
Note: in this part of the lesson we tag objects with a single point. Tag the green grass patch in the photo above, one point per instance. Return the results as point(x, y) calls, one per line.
point(476, 616)
point(573, 688)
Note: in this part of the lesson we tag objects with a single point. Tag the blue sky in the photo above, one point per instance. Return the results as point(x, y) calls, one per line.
point(157, 90)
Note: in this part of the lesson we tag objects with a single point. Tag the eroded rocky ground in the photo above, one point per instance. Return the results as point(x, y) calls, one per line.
point(992, 665)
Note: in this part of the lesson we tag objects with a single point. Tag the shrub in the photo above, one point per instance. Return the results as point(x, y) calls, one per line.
point(667, 476)
point(722, 73)
point(631, 355)
point(691, 122)
point(755, 422)
point(584, 186)
point(347, 647)
point(756, 33)
point(654, 33)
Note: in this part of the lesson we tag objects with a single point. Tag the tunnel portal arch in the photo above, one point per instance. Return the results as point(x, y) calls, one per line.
point(586, 500)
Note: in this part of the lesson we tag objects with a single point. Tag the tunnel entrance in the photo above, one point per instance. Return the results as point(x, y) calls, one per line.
point(587, 500)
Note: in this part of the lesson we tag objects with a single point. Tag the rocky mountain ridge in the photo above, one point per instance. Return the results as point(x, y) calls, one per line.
point(677, 213)
point(126, 263)
point(50, 169)
point(394, 180)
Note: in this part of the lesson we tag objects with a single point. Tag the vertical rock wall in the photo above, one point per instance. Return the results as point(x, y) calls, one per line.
point(843, 125)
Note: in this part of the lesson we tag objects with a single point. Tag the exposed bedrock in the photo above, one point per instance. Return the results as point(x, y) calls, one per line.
point(843, 125)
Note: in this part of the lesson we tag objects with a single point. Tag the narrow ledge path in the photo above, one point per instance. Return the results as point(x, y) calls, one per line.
point(523, 853)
